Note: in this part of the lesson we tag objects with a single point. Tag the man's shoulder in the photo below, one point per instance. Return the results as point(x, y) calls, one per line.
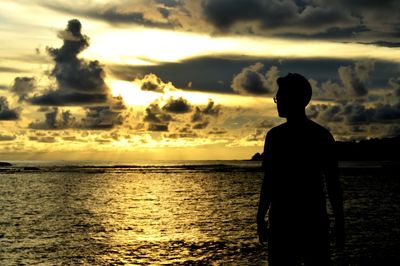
point(321, 131)
point(277, 129)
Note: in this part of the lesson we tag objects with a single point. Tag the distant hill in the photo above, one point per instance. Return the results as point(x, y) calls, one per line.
point(364, 150)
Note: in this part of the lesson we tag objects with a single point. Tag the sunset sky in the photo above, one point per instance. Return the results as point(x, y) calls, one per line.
point(188, 79)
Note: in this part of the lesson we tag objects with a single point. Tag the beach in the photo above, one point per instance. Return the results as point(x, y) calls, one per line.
point(177, 212)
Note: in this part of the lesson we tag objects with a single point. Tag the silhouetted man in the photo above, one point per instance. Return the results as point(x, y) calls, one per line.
point(299, 159)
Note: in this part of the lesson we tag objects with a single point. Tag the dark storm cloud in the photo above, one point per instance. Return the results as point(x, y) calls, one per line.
point(156, 118)
point(200, 116)
point(349, 21)
point(117, 103)
point(168, 3)
point(271, 15)
point(79, 82)
point(154, 114)
point(356, 113)
point(394, 84)
point(157, 127)
point(55, 119)
point(112, 15)
point(251, 80)
point(7, 137)
point(354, 78)
point(101, 118)
point(383, 44)
point(354, 81)
point(57, 98)
point(334, 33)
point(211, 109)
point(45, 139)
point(201, 125)
point(164, 12)
point(10, 70)
point(218, 131)
point(5, 112)
point(23, 86)
point(257, 135)
point(184, 132)
point(215, 74)
point(151, 82)
point(159, 119)
point(96, 118)
point(177, 106)
point(326, 113)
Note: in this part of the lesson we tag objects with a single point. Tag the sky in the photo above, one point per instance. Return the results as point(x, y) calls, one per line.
point(189, 79)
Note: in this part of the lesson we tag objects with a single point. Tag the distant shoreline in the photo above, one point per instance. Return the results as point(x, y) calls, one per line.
point(386, 149)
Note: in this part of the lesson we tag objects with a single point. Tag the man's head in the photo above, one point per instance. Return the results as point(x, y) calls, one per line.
point(294, 94)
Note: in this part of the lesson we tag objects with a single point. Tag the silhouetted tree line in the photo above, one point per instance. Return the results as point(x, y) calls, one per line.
point(363, 150)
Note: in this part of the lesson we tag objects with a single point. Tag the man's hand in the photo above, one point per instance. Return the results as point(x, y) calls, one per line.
point(262, 231)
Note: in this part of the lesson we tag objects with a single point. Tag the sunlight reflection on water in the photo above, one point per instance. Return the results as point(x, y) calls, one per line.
point(172, 215)
point(129, 217)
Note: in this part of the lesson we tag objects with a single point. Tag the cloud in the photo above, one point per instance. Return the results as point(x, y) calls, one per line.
point(200, 116)
point(155, 115)
point(10, 70)
point(326, 113)
point(211, 109)
point(157, 118)
point(23, 86)
point(370, 22)
point(275, 16)
point(394, 84)
point(374, 22)
point(354, 82)
point(57, 98)
point(122, 13)
point(355, 78)
point(79, 82)
point(213, 74)
point(201, 125)
point(353, 116)
point(218, 131)
point(157, 127)
point(251, 81)
point(55, 119)
point(45, 139)
point(96, 118)
point(7, 137)
point(177, 106)
point(184, 132)
point(327, 90)
point(168, 3)
point(356, 113)
point(102, 117)
point(5, 112)
point(151, 82)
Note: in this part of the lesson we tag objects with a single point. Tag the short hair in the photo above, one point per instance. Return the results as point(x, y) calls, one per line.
point(296, 86)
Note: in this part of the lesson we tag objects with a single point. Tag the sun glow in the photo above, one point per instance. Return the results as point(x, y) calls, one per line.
point(152, 46)
point(133, 96)
point(131, 93)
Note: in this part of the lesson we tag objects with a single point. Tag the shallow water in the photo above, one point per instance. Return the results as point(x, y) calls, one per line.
point(200, 213)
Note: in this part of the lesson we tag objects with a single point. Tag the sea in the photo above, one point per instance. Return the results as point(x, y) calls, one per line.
point(173, 213)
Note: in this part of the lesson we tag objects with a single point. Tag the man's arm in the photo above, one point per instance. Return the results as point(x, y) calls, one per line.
point(335, 193)
point(263, 207)
point(265, 196)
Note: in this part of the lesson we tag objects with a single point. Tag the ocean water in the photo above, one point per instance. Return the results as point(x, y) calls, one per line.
point(186, 212)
